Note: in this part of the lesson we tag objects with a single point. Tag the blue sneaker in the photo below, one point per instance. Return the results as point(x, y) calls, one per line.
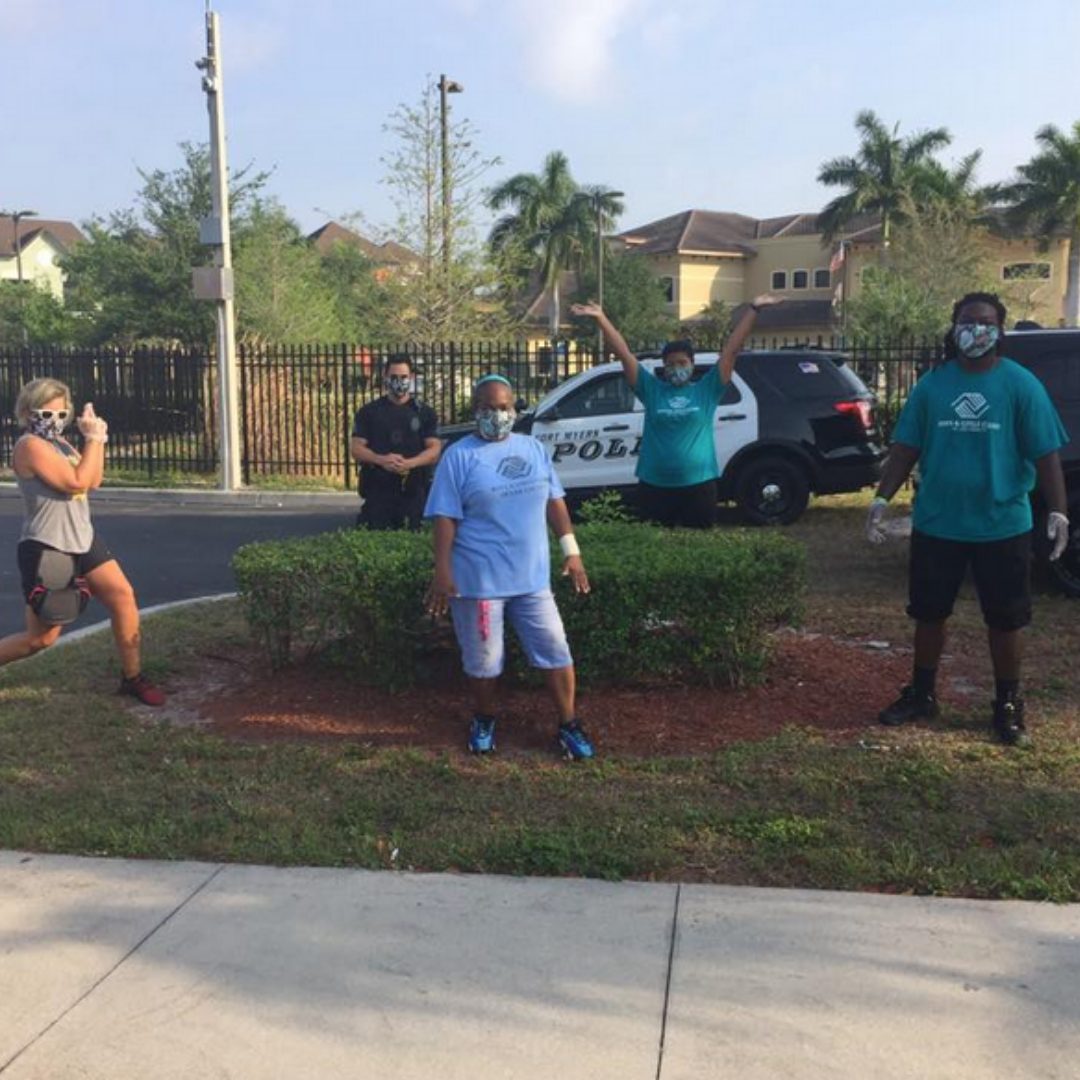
point(482, 735)
point(575, 744)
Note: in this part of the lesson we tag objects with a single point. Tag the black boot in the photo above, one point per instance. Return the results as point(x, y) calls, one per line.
point(912, 704)
point(1008, 722)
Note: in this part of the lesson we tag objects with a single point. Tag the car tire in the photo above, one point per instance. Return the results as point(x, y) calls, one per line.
point(1064, 573)
point(772, 490)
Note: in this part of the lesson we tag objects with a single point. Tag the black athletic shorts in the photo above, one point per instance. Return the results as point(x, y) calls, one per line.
point(29, 554)
point(693, 506)
point(1001, 569)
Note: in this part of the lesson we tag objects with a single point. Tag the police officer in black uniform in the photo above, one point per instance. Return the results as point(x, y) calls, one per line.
point(394, 442)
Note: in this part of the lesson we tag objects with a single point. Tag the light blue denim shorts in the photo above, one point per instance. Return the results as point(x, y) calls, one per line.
point(478, 625)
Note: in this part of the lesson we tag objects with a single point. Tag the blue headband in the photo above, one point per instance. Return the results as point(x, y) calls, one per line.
point(492, 378)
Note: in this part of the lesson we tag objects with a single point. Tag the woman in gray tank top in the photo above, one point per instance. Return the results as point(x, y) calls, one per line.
point(55, 481)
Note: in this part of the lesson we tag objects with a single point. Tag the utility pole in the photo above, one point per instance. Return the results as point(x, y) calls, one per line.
point(446, 86)
point(216, 282)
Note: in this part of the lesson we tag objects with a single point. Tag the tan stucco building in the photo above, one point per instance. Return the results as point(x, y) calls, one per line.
point(705, 256)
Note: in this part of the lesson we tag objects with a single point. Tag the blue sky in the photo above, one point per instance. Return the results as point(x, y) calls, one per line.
point(687, 103)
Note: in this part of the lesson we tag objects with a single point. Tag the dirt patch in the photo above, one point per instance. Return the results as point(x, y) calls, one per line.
point(836, 687)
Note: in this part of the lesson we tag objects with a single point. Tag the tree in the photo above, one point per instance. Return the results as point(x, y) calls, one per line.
point(937, 256)
point(634, 300)
point(131, 280)
point(711, 328)
point(888, 174)
point(365, 306)
point(552, 222)
point(435, 300)
point(1046, 195)
point(283, 293)
point(31, 315)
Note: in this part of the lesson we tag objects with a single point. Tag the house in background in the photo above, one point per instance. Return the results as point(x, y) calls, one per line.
point(704, 256)
point(387, 258)
point(41, 245)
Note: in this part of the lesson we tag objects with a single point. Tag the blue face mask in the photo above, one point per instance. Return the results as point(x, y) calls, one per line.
point(975, 339)
point(494, 424)
point(679, 375)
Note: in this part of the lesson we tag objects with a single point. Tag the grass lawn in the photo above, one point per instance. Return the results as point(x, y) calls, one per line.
point(930, 810)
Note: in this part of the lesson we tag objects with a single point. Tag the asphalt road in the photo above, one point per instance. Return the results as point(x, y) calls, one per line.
point(168, 553)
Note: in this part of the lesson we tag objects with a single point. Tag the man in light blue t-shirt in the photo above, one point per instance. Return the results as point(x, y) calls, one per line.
point(676, 468)
point(984, 431)
point(493, 497)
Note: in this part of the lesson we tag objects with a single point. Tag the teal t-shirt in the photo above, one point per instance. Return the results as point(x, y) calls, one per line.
point(677, 447)
point(978, 437)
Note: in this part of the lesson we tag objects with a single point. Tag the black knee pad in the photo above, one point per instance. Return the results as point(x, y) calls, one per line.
point(60, 595)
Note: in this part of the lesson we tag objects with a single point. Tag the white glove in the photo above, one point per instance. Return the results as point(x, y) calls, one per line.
point(1057, 530)
point(874, 531)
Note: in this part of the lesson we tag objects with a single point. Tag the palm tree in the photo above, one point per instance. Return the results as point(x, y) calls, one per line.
point(1046, 194)
point(553, 220)
point(887, 172)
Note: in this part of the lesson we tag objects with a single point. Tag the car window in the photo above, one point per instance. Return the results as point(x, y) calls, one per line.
point(1060, 374)
point(802, 377)
point(602, 396)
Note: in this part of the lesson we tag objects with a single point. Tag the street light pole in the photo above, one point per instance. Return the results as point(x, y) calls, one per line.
point(597, 202)
point(446, 86)
point(17, 216)
point(216, 282)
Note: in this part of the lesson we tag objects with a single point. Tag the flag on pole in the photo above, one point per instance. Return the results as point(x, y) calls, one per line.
point(837, 260)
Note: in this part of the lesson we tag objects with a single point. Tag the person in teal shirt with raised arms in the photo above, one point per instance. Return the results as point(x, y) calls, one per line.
point(983, 431)
point(677, 468)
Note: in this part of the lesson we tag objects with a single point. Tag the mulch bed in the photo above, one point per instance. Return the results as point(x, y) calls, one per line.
point(835, 687)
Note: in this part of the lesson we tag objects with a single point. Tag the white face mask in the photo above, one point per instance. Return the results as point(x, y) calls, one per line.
point(975, 339)
point(494, 424)
point(48, 427)
point(399, 386)
point(678, 374)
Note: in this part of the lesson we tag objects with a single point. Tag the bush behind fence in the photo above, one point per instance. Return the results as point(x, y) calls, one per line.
point(297, 402)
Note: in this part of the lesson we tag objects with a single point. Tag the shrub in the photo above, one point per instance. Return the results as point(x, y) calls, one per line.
point(679, 605)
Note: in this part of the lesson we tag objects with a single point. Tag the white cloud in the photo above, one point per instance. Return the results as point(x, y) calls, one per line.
point(571, 45)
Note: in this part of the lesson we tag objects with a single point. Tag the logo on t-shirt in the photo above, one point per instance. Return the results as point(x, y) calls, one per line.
point(678, 402)
point(514, 467)
point(970, 406)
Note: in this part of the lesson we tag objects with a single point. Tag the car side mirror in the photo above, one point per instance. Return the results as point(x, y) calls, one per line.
point(521, 405)
point(547, 415)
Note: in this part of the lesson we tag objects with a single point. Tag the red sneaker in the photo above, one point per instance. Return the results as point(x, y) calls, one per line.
point(142, 688)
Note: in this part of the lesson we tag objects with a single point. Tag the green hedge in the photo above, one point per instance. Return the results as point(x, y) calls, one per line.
point(665, 605)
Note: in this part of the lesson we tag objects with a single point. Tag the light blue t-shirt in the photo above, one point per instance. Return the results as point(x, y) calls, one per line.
point(498, 494)
point(677, 447)
point(978, 435)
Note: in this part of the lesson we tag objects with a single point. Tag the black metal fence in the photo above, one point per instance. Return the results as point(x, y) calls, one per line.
point(297, 403)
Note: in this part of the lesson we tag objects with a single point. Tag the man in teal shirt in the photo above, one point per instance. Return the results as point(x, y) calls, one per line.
point(677, 467)
point(983, 431)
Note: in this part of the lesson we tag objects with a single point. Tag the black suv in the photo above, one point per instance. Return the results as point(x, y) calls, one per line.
point(1054, 356)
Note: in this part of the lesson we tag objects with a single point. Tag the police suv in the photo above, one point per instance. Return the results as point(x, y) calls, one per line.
point(790, 423)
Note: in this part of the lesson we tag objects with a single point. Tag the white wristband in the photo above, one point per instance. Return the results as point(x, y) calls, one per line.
point(569, 545)
point(96, 438)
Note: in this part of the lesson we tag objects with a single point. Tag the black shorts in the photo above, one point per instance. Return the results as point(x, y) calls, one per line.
point(693, 506)
point(29, 554)
point(1001, 569)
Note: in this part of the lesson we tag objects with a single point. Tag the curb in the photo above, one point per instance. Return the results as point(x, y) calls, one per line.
point(252, 500)
point(154, 609)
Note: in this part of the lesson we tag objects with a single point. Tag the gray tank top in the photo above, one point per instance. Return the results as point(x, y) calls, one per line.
point(53, 518)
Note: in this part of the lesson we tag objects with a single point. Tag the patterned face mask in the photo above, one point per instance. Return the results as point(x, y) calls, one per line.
point(494, 424)
point(679, 375)
point(399, 386)
point(50, 426)
point(975, 339)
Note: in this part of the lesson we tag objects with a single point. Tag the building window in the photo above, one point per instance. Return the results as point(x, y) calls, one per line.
point(800, 279)
point(668, 285)
point(779, 279)
point(1026, 271)
point(822, 279)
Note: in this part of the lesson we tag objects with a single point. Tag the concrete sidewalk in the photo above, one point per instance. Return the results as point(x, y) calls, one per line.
point(118, 970)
